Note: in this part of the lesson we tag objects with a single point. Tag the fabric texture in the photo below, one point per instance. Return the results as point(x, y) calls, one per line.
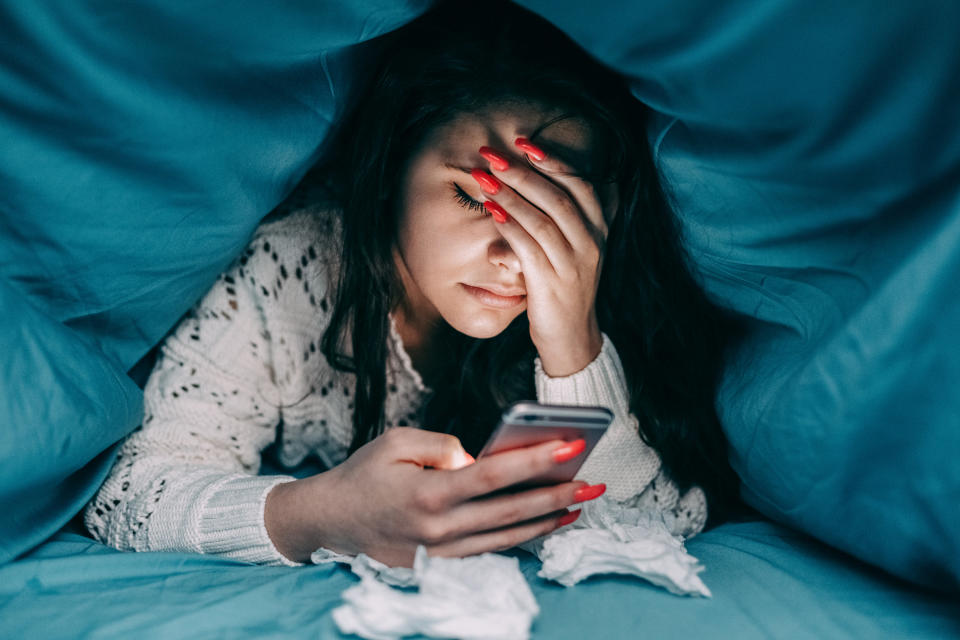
point(140, 145)
point(767, 581)
point(812, 153)
point(811, 150)
point(246, 360)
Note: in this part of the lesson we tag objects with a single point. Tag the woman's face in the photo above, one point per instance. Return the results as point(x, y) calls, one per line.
point(453, 262)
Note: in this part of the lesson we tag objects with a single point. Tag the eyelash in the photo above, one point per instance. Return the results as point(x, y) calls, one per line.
point(467, 201)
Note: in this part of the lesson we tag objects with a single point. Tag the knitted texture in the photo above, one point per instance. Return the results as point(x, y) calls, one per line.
point(243, 370)
point(630, 468)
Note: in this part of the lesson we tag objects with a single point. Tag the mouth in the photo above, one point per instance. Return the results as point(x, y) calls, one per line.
point(497, 299)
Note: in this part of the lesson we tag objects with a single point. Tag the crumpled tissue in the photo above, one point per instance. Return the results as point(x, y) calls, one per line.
point(486, 596)
point(483, 596)
point(610, 537)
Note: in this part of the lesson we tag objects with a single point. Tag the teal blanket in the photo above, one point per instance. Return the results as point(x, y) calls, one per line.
point(766, 581)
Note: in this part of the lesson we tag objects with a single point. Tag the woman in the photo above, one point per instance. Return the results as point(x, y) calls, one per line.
point(485, 227)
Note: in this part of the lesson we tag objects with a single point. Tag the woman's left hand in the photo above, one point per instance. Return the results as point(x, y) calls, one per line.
point(556, 228)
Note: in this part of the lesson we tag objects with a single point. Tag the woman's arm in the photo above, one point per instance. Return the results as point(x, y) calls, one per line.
point(186, 480)
point(558, 234)
point(630, 468)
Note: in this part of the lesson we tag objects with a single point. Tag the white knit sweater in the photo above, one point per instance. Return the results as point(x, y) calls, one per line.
point(243, 370)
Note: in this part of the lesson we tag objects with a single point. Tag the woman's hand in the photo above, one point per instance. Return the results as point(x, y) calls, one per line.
point(410, 487)
point(556, 228)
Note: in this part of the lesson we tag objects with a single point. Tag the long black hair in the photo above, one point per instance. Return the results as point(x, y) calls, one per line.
point(669, 336)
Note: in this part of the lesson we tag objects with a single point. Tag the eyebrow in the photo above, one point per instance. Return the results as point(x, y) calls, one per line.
point(450, 165)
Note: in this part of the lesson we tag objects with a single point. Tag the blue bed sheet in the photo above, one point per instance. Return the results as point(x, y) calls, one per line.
point(767, 581)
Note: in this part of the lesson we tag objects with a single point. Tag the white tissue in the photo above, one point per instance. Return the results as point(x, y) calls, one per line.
point(363, 565)
point(610, 537)
point(484, 596)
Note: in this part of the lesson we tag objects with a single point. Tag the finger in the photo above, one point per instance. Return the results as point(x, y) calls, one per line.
point(533, 255)
point(505, 538)
point(562, 247)
point(498, 471)
point(583, 192)
point(426, 448)
point(538, 224)
point(553, 186)
point(506, 510)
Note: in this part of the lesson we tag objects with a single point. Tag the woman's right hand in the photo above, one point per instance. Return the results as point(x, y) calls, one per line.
point(410, 487)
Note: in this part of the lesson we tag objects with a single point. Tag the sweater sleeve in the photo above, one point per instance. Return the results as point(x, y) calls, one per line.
point(186, 479)
point(630, 468)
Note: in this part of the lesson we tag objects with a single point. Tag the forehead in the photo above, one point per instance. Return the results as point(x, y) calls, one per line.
point(565, 134)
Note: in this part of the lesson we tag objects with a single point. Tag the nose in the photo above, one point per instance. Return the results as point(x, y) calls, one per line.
point(501, 255)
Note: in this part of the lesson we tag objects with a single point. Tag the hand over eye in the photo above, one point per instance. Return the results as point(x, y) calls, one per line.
point(554, 222)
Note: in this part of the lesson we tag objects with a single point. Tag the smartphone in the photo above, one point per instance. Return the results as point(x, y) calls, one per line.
point(527, 423)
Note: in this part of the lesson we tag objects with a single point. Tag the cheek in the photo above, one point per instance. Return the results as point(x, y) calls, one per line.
point(437, 261)
point(429, 252)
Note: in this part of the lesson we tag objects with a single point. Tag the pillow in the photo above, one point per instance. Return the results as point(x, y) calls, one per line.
point(813, 155)
point(142, 144)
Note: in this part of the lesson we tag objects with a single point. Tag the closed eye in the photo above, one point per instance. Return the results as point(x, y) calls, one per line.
point(466, 200)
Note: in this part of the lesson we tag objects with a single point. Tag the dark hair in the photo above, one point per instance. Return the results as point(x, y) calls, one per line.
point(669, 336)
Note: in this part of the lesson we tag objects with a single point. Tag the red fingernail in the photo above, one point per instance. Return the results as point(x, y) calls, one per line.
point(531, 149)
point(569, 451)
point(567, 519)
point(589, 493)
point(497, 161)
point(487, 182)
point(499, 213)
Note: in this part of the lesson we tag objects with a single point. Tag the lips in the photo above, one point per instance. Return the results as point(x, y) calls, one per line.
point(506, 293)
point(496, 297)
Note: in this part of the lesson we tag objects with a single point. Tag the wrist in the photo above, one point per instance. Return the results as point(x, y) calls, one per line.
point(564, 358)
point(291, 515)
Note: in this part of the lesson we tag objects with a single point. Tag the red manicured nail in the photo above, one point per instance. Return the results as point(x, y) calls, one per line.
point(569, 451)
point(589, 493)
point(499, 213)
point(487, 182)
point(531, 149)
point(497, 161)
point(567, 519)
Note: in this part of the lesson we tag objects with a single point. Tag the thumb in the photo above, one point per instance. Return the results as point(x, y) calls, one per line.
point(437, 450)
point(449, 454)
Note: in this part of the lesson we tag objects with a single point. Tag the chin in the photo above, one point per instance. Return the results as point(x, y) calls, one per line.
point(484, 323)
